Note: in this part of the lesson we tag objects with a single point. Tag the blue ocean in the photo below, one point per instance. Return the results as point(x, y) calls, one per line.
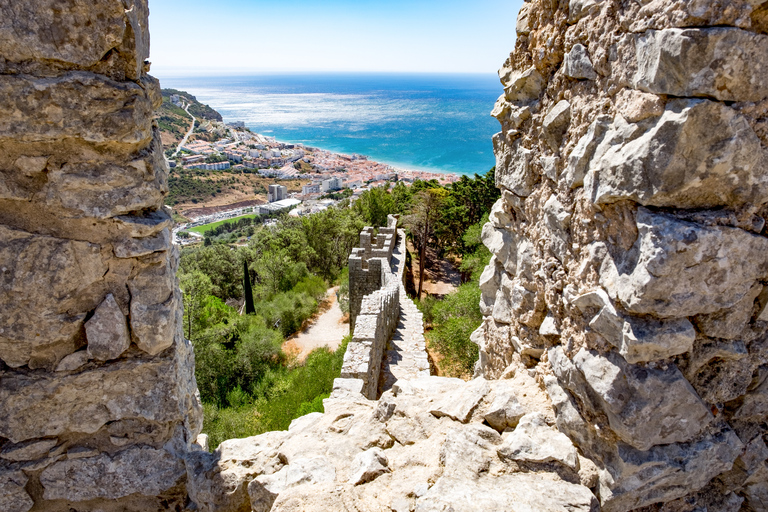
point(428, 122)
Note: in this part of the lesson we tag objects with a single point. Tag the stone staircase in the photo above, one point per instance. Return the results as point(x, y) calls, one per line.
point(406, 353)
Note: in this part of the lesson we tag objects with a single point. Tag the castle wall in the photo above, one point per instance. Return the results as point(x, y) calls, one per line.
point(97, 388)
point(374, 304)
point(630, 249)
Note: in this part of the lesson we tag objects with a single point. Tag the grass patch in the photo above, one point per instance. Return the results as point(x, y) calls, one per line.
point(207, 227)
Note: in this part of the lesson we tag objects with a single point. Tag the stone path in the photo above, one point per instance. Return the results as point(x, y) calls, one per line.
point(406, 356)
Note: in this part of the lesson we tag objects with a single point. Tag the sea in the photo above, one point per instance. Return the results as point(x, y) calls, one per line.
point(428, 122)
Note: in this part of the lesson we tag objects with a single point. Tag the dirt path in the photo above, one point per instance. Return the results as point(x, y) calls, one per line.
point(440, 279)
point(327, 329)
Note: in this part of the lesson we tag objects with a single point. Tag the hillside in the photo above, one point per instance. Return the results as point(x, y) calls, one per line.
point(174, 121)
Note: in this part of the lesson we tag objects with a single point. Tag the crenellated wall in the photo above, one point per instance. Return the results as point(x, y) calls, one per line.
point(97, 388)
point(369, 264)
point(630, 247)
point(376, 312)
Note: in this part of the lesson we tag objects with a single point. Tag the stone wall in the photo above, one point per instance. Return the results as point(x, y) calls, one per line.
point(378, 311)
point(369, 264)
point(97, 389)
point(630, 250)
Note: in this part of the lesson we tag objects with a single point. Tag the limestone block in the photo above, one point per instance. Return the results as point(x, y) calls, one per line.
point(107, 331)
point(368, 465)
point(636, 105)
point(678, 269)
point(517, 491)
point(697, 154)
point(513, 166)
point(557, 220)
point(219, 481)
point(145, 224)
point(27, 451)
point(459, 406)
point(13, 497)
point(728, 64)
point(729, 323)
point(153, 325)
point(556, 123)
point(577, 9)
point(76, 105)
point(524, 21)
point(642, 339)
point(489, 283)
point(468, 451)
point(136, 247)
point(47, 287)
point(79, 35)
point(38, 405)
point(503, 246)
point(499, 217)
point(521, 86)
point(635, 479)
point(102, 189)
point(578, 160)
point(535, 441)
point(645, 406)
point(73, 362)
point(505, 411)
point(576, 64)
point(136, 470)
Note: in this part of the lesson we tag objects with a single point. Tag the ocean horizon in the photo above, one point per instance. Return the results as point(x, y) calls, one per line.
point(430, 122)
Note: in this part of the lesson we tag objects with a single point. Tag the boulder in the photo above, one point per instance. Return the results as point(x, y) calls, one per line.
point(505, 411)
point(460, 405)
point(521, 86)
point(728, 64)
point(679, 269)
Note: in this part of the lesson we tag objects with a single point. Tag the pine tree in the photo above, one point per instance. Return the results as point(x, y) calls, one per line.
point(247, 290)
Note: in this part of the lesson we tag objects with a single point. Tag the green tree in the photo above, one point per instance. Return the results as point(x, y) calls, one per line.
point(421, 224)
point(374, 205)
point(195, 287)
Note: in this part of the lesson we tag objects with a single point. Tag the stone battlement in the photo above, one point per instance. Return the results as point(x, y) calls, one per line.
point(375, 313)
point(369, 264)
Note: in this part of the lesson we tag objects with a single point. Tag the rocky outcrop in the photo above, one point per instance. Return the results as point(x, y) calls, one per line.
point(423, 446)
point(629, 246)
point(97, 382)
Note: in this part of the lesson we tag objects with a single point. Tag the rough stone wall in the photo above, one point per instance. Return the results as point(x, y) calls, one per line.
point(369, 264)
point(630, 252)
point(378, 311)
point(97, 390)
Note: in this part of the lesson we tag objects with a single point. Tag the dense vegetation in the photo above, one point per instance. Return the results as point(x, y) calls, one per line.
point(247, 384)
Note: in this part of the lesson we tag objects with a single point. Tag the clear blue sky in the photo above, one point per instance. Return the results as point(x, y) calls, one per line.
point(241, 36)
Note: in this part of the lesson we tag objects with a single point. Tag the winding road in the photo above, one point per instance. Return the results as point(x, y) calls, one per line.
point(191, 129)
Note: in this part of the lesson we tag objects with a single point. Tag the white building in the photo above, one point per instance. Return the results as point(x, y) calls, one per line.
point(277, 193)
point(331, 184)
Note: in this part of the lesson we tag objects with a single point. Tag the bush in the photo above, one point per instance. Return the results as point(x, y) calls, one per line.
point(455, 318)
